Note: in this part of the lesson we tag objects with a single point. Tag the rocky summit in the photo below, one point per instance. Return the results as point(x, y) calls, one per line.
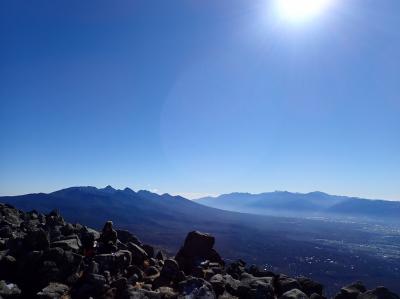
point(42, 256)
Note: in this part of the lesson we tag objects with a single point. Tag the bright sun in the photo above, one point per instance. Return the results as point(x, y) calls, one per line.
point(300, 10)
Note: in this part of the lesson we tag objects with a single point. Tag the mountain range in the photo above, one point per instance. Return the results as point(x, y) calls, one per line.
point(285, 203)
point(320, 249)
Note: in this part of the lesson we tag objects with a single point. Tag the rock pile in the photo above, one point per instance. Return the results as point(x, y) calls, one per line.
point(42, 256)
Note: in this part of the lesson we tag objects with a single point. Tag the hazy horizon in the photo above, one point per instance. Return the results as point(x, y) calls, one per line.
point(198, 195)
point(198, 98)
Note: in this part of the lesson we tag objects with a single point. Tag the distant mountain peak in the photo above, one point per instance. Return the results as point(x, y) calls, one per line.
point(108, 188)
point(129, 190)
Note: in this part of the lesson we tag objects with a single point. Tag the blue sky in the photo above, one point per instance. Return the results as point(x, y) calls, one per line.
point(199, 97)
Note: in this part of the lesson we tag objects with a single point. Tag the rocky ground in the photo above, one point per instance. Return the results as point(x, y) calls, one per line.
point(42, 256)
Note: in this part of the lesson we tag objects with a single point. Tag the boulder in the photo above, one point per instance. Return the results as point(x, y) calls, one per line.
point(9, 290)
point(6, 232)
point(294, 294)
point(196, 288)
point(36, 239)
point(67, 229)
point(54, 291)
point(125, 237)
point(197, 248)
point(309, 286)
point(161, 255)
point(114, 262)
point(120, 284)
point(149, 250)
point(8, 267)
point(255, 286)
point(68, 244)
point(351, 291)
point(378, 293)
point(138, 253)
point(285, 284)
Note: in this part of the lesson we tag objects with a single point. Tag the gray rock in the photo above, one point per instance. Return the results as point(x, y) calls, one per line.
point(294, 294)
point(9, 290)
point(378, 293)
point(54, 291)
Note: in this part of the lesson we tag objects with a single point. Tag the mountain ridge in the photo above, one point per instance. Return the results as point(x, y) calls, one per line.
point(281, 243)
point(316, 203)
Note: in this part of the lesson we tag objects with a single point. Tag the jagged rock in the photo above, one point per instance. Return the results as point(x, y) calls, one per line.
point(196, 288)
point(316, 296)
point(54, 291)
point(285, 284)
point(351, 291)
point(125, 237)
point(138, 254)
point(10, 215)
point(198, 247)
point(9, 290)
point(378, 293)
point(6, 232)
point(8, 267)
point(36, 239)
point(218, 284)
point(149, 250)
point(170, 269)
point(161, 256)
point(67, 229)
point(69, 244)
point(255, 286)
point(236, 269)
point(309, 286)
point(120, 283)
point(54, 219)
point(151, 271)
point(114, 262)
point(294, 294)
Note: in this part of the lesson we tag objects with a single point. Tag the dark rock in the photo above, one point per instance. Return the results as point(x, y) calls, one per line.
point(255, 285)
point(161, 256)
point(285, 284)
point(198, 247)
point(67, 229)
point(151, 271)
point(351, 291)
point(54, 219)
point(8, 267)
point(138, 254)
point(69, 244)
point(114, 262)
point(378, 293)
point(309, 286)
point(125, 237)
point(195, 288)
point(6, 232)
point(170, 268)
point(218, 284)
point(36, 239)
point(149, 250)
point(135, 270)
point(108, 238)
point(120, 283)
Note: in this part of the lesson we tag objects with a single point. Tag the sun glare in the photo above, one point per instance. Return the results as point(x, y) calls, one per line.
point(300, 10)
